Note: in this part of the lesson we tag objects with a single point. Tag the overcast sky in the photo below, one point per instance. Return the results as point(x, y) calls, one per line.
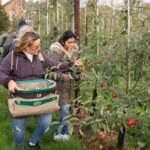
point(83, 1)
point(115, 2)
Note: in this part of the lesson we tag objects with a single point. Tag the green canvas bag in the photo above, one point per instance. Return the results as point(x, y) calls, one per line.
point(33, 98)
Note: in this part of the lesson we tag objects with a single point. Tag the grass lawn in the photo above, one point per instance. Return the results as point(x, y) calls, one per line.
point(47, 142)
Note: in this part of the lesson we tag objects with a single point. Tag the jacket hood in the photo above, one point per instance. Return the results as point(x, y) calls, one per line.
point(59, 49)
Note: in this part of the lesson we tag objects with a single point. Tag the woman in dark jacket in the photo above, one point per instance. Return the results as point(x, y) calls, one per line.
point(29, 67)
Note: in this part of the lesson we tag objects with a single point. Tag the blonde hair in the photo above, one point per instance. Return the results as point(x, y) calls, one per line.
point(26, 40)
point(23, 30)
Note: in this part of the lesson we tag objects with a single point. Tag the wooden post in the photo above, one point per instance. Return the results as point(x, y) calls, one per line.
point(47, 14)
point(122, 133)
point(121, 137)
point(77, 32)
point(77, 17)
point(86, 27)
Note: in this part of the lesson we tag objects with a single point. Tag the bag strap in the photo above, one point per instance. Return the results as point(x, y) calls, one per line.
point(14, 62)
point(42, 60)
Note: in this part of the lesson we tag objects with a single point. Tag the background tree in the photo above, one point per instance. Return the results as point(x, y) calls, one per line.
point(4, 21)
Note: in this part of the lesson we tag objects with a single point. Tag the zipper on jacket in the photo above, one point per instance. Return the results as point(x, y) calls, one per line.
point(32, 68)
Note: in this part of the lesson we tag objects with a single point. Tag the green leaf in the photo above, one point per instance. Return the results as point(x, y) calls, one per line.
point(94, 128)
point(141, 144)
point(86, 102)
point(66, 117)
point(148, 108)
point(74, 119)
point(70, 128)
point(75, 111)
point(80, 131)
point(60, 128)
point(83, 122)
point(104, 127)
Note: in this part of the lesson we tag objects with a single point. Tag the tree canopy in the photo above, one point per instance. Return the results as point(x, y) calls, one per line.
point(4, 21)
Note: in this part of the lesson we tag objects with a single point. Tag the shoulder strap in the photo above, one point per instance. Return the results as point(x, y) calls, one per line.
point(14, 62)
point(42, 60)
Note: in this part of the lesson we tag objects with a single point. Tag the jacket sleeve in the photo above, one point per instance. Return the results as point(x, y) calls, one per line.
point(5, 70)
point(56, 65)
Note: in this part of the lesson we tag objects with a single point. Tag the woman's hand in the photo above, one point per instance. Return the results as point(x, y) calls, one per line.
point(67, 77)
point(12, 86)
point(74, 47)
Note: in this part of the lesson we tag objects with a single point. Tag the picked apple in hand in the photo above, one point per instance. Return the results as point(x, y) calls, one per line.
point(79, 62)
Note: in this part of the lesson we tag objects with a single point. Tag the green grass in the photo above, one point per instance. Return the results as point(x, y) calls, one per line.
point(47, 142)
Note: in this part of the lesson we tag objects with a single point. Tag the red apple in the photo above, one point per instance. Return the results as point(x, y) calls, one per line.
point(114, 95)
point(85, 93)
point(100, 133)
point(104, 85)
point(104, 136)
point(131, 122)
point(83, 68)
